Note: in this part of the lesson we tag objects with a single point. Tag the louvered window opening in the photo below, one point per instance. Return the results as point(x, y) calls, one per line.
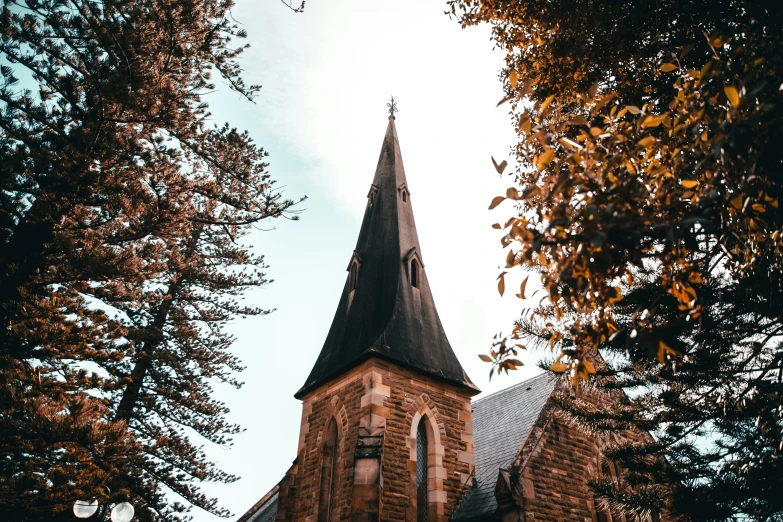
point(414, 273)
point(353, 276)
point(422, 507)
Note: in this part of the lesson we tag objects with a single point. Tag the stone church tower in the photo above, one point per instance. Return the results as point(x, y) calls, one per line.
point(386, 417)
point(389, 432)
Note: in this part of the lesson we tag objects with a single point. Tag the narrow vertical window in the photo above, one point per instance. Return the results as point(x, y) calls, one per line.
point(422, 482)
point(353, 275)
point(328, 479)
point(414, 273)
point(609, 471)
point(404, 197)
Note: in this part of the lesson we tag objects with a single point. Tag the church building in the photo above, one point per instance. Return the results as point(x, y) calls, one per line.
point(389, 430)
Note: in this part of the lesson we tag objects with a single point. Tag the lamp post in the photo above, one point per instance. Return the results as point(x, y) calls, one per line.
point(122, 512)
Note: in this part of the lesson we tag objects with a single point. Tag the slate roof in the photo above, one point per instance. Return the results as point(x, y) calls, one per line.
point(385, 316)
point(501, 423)
point(266, 512)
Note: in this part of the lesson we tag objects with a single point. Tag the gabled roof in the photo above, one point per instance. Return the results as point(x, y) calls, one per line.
point(501, 424)
point(265, 509)
point(385, 316)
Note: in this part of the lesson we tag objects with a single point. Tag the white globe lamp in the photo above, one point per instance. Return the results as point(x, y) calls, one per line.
point(85, 508)
point(122, 512)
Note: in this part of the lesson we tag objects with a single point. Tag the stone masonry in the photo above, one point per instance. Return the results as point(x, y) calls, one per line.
point(377, 406)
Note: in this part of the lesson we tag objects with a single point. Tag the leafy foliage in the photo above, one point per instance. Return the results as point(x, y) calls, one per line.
point(121, 219)
point(648, 199)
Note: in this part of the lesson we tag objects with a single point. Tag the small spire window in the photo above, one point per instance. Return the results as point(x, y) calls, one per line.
point(414, 273)
point(403, 190)
point(371, 195)
point(353, 276)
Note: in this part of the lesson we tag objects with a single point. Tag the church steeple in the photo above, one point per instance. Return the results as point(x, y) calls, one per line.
point(386, 309)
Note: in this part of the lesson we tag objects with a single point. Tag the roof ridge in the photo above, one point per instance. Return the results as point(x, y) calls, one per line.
point(513, 386)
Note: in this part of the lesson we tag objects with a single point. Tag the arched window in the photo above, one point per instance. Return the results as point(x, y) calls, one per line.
point(328, 478)
point(414, 273)
point(422, 479)
point(610, 471)
point(353, 276)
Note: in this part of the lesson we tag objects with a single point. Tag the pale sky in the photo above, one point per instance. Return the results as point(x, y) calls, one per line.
point(327, 75)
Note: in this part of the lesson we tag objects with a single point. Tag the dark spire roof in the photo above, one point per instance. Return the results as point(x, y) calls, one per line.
point(384, 315)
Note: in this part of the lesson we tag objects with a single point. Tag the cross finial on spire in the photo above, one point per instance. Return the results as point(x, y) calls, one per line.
point(392, 105)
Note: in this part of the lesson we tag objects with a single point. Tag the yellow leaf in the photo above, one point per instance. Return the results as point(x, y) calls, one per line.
point(524, 126)
point(521, 293)
point(547, 103)
point(579, 120)
point(497, 226)
point(513, 78)
point(512, 193)
point(758, 207)
point(485, 358)
point(732, 94)
point(542, 259)
point(663, 350)
point(668, 67)
point(595, 131)
point(689, 183)
point(695, 277)
point(646, 142)
point(511, 259)
point(589, 367)
point(496, 201)
point(736, 202)
point(502, 283)
point(633, 109)
point(499, 167)
point(652, 121)
point(544, 159)
point(530, 191)
point(558, 367)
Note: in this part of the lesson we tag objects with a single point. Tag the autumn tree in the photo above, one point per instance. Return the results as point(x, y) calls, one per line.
point(647, 198)
point(122, 214)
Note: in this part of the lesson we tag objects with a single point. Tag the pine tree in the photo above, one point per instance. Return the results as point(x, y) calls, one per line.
point(648, 199)
point(121, 218)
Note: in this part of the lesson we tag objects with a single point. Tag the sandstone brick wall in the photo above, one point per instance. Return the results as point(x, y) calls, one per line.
point(376, 405)
point(554, 479)
point(552, 471)
point(451, 448)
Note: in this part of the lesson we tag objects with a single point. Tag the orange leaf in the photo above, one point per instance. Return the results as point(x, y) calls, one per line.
point(521, 293)
point(732, 94)
point(558, 367)
point(496, 201)
point(513, 78)
point(499, 167)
